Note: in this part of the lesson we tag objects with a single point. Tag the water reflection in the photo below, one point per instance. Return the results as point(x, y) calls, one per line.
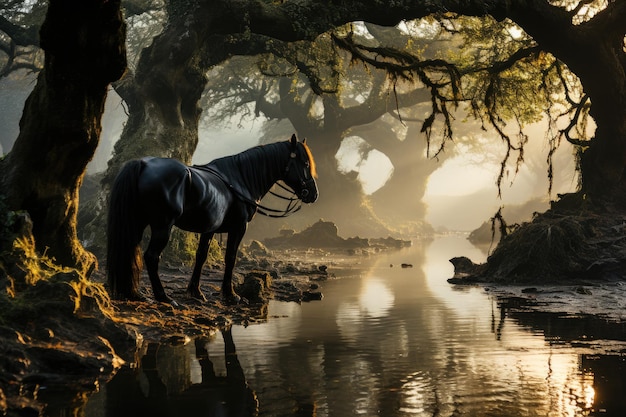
point(393, 342)
point(600, 381)
point(181, 381)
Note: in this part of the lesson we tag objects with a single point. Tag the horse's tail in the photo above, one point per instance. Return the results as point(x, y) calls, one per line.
point(124, 232)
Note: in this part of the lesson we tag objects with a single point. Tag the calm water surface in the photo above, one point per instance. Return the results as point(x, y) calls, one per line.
point(388, 341)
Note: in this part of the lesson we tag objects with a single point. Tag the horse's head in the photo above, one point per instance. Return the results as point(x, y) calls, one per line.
point(301, 174)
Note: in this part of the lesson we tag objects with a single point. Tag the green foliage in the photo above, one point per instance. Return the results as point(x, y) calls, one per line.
point(181, 249)
point(318, 61)
point(510, 79)
point(502, 69)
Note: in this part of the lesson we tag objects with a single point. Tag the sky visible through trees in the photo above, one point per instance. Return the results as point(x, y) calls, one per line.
point(463, 168)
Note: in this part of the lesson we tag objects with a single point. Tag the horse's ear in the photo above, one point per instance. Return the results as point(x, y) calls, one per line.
point(294, 141)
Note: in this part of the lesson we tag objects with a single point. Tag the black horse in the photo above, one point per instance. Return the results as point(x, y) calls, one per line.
point(219, 197)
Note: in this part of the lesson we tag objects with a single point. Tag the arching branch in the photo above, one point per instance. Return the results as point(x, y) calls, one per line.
point(440, 77)
point(22, 36)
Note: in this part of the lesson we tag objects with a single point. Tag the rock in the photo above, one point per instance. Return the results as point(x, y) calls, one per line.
point(462, 265)
point(390, 242)
point(256, 287)
point(311, 295)
point(257, 248)
point(464, 268)
point(583, 291)
point(325, 234)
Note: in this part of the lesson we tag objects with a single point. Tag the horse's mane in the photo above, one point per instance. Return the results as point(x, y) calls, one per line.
point(311, 160)
point(250, 171)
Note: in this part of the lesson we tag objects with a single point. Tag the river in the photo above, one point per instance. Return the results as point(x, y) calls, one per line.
point(385, 341)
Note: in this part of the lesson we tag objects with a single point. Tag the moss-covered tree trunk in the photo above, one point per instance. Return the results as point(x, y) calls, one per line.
point(60, 127)
point(162, 97)
point(163, 93)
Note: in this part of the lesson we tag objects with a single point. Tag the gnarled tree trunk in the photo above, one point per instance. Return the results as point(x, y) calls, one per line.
point(594, 51)
point(60, 127)
point(163, 94)
point(163, 97)
point(399, 201)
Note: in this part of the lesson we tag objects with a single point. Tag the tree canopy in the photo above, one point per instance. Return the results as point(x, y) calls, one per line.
point(567, 54)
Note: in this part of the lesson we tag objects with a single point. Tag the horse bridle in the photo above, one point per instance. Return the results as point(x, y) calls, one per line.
point(294, 204)
point(305, 183)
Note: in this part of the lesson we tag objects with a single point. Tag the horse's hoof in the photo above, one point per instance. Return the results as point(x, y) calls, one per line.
point(197, 294)
point(232, 299)
point(133, 297)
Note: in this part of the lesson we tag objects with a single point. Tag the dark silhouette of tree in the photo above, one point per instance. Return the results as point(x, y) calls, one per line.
point(282, 88)
point(60, 126)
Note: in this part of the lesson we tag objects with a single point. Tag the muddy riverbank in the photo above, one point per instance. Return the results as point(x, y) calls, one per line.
point(62, 334)
point(570, 259)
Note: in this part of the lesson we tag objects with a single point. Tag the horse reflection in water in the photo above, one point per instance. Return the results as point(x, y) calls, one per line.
point(146, 393)
point(219, 197)
point(235, 397)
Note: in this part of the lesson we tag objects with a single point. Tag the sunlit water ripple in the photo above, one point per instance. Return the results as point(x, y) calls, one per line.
point(389, 341)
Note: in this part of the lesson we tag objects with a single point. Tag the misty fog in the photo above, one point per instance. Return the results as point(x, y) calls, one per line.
point(461, 193)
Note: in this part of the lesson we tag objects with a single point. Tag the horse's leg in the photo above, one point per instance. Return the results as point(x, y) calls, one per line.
point(193, 289)
point(152, 255)
point(232, 244)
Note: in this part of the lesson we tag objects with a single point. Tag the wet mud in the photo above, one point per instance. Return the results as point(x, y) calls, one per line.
point(280, 280)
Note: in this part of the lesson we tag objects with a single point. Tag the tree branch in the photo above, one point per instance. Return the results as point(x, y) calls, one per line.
point(22, 36)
